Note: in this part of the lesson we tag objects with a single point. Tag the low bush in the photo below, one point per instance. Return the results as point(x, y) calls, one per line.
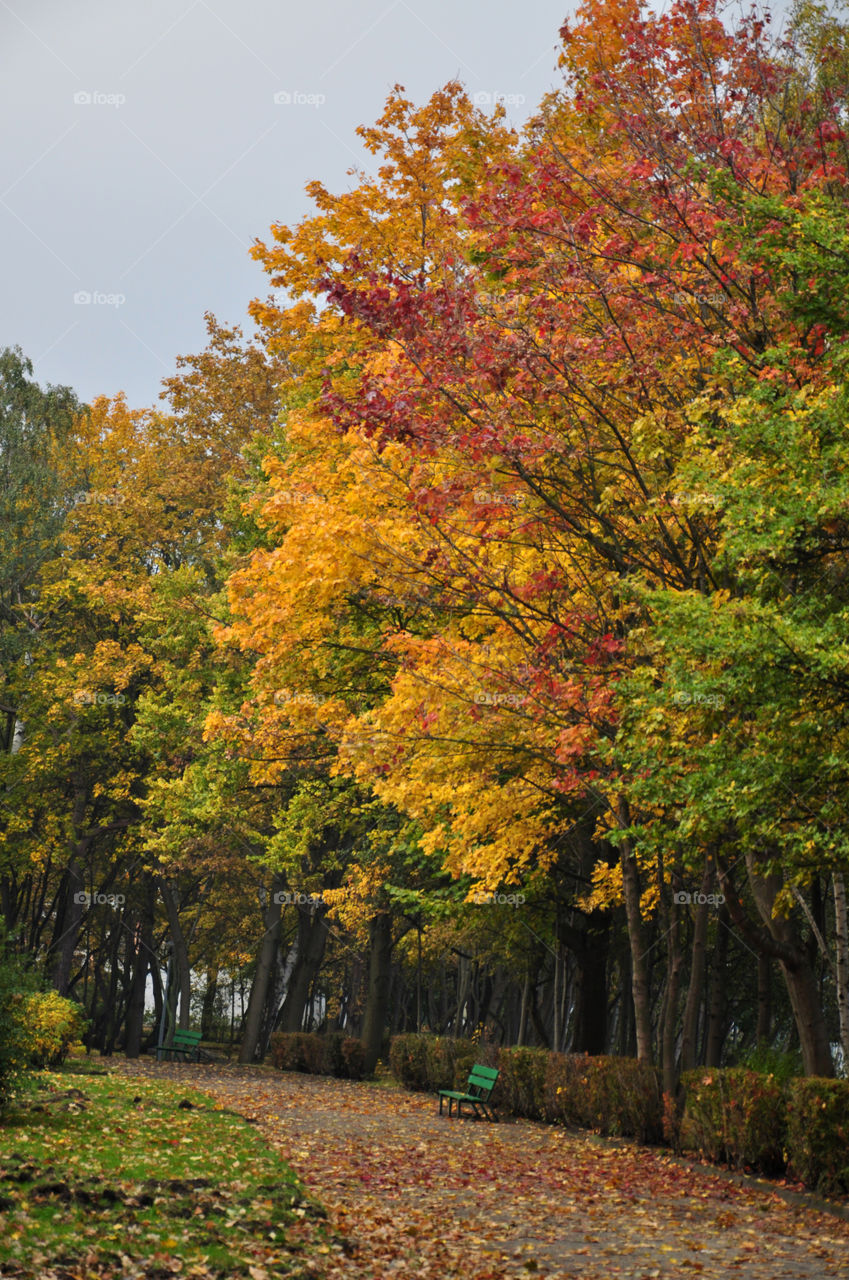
point(288, 1050)
point(449, 1062)
point(521, 1082)
point(408, 1061)
point(612, 1095)
point(818, 1134)
point(353, 1058)
point(429, 1063)
point(52, 1024)
point(736, 1116)
point(318, 1053)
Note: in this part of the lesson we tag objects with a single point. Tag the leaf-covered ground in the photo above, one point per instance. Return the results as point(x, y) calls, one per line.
point(413, 1194)
point(105, 1176)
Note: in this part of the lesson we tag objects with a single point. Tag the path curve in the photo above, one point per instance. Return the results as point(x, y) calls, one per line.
point(414, 1195)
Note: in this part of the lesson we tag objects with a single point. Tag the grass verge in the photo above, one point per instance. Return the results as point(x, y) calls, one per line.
point(105, 1177)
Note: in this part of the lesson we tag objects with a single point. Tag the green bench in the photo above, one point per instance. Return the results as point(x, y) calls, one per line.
point(185, 1044)
point(479, 1087)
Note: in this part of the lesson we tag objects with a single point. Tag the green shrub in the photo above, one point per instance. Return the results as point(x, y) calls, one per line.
point(408, 1061)
point(315, 1053)
point(288, 1050)
point(430, 1063)
point(448, 1062)
point(332, 1058)
point(521, 1082)
point(52, 1024)
point(354, 1058)
point(818, 1134)
point(612, 1095)
point(783, 1064)
point(318, 1053)
point(735, 1115)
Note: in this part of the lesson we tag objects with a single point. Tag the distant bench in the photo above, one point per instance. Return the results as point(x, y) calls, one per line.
point(185, 1046)
point(479, 1087)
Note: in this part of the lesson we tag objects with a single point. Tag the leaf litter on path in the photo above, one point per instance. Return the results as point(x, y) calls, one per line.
point(414, 1194)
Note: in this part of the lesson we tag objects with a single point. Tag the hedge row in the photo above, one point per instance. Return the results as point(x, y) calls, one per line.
point(329, 1054)
point(612, 1095)
point(744, 1118)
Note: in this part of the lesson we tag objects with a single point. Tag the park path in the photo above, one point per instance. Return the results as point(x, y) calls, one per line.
point(412, 1194)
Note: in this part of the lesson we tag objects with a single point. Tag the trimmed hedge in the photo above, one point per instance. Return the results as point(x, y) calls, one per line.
point(521, 1085)
point(748, 1118)
point(611, 1095)
point(618, 1096)
point(430, 1063)
point(736, 1116)
point(818, 1133)
point(408, 1061)
point(329, 1054)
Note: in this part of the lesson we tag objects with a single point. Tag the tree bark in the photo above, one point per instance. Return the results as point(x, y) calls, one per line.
point(639, 971)
point(670, 1011)
point(695, 991)
point(144, 955)
point(780, 939)
point(377, 1000)
point(309, 953)
point(764, 1028)
point(208, 1006)
point(798, 974)
point(841, 942)
point(70, 915)
point(252, 1026)
point(181, 955)
point(591, 1018)
point(717, 1014)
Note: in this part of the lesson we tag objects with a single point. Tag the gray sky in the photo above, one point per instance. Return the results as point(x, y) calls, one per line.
point(145, 151)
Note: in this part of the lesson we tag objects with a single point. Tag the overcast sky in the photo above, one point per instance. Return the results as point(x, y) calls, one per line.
point(145, 151)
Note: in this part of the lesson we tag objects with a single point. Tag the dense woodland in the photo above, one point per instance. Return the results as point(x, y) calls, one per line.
point(468, 650)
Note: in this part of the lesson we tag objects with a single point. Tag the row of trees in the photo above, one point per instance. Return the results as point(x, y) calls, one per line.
point(469, 649)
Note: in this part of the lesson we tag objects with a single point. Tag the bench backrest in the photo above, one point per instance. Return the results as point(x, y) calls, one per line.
point(481, 1081)
point(191, 1038)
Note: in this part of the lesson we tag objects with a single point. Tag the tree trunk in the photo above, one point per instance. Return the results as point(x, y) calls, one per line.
point(764, 1030)
point(639, 971)
point(182, 968)
point(695, 991)
point(670, 1013)
point(143, 958)
point(309, 953)
point(717, 1013)
point(252, 1026)
point(377, 1000)
point(463, 984)
point(523, 1010)
point(208, 1006)
point(69, 917)
point(591, 1018)
point(841, 942)
point(798, 974)
point(68, 925)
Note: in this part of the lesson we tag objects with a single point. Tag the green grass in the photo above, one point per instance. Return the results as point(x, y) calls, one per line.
point(100, 1173)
